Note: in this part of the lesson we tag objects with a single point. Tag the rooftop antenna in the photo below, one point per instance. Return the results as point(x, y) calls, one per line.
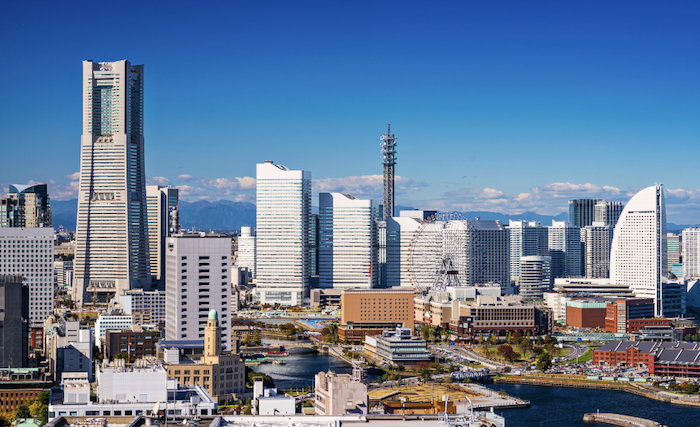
point(388, 145)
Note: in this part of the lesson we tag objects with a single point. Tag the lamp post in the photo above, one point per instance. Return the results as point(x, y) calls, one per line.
point(403, 404)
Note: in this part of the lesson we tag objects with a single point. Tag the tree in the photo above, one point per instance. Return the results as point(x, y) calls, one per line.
point(268, 382)
point(544, 361)
point(425, 332)
point(23, 412)
point(256, 337)
point(507, 352)
point(425, 374)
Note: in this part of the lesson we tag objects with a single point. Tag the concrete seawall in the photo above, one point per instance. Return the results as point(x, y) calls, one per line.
point(620, 420)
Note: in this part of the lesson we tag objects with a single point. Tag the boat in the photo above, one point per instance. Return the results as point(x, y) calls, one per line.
point(252, 362)
point(280, 361)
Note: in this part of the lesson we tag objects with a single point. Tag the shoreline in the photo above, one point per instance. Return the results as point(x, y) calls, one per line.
point(552, 382)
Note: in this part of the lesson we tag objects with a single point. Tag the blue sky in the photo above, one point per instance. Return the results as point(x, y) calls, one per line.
point(500, 106)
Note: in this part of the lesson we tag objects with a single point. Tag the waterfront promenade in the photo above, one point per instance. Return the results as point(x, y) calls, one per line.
point(620, 420)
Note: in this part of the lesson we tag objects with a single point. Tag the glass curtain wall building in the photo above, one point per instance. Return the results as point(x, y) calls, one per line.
point(565, 249)
point(283, 233)
point(638, 256)
point(347, 242)
point(691, 252)
point(111, 234)
point(527, 238)
point(163, 221)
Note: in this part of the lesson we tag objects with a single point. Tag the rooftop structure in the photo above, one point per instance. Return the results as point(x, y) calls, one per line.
point(389, 163)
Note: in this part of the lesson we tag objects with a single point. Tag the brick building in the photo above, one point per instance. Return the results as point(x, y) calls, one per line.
point(586, 313)
point(138, 343)
point(621, 311)
point(371, 311)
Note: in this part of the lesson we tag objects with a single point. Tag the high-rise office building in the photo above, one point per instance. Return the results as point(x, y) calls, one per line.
point(26, 206)
point(282, 236)
point(638, 256)
point(163, 221)
point(597, 239)
point(347, 242)
point(198, 280)
point(111, 238)
point(535, 276)
point(582, 212)
point(674, 248)
point(527, 238)
point(14, 303)
point(565, 249)
point(246, 250)
point(399, 232)
point(493, 250)
point(691, 252)
point(29, 252)
point(608, 212)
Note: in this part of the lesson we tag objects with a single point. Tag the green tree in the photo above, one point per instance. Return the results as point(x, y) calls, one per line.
point(544, 361)
point(507, 352)
point(246, 339)
point(425, 374)
point(256, 337)
point(425, 332)
point(23, 412)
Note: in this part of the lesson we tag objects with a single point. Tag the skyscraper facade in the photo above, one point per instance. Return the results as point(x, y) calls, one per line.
point(246, 251)
point(26, 206)
point(582, 212)
point(527, 238)
point(597, 240)
point(111, 234)
point(163, 221)
point(491, 262)
point(535, 276)
point(347, 242)
point(565, 249)
point(608, 212)
point(691, 252)
point(638, 256)
point(399, 232)
point(282, 235)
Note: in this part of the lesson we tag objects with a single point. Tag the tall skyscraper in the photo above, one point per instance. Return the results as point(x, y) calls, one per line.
point(282, 236)
point(597, 239)
point(246, 251)
point(535, 276)
point(347, 242)
point(674, 248)
point(399, 231)
point(163, 221)
point(565, 249)
point(111, 238)
point(26, 206)
point(527, 238)
point(389, 162)
point(14, 303)
point(493, 251)
point(691, 252)
point(608, 212)
point(199, 280)
point(638, 256)
point(582, 212)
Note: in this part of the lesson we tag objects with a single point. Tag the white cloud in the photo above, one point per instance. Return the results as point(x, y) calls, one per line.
point(231, 184)
point(159, 180)
point(184, 177)
point(367, 186)
point(75, 176)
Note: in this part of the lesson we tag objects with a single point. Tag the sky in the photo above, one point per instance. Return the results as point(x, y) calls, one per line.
point(505, 106)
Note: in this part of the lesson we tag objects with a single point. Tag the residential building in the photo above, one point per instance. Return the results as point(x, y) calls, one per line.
point(111, 253)
point(582, 212)
point(29, 253)
point(142, 301)
point(565, 249)
point(67, 346)
point(535, 276)
point(597, 239)
point(339, 394)
point(608, 212)
point(347, 242)
point(621, 311)
point(162, 211)
point(26, 206)
point(691, 252)
point(399, 347)
point(370, 311)
point(14, 327)
point(527, 238)
point(136, 342)
point(221, 373)
point(283, 213)
point(638, 254)
point(198, 279)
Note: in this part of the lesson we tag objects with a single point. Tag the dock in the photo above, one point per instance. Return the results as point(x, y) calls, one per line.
point(620, 420)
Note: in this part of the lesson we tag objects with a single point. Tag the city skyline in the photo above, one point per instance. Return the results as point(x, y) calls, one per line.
point(494, 106)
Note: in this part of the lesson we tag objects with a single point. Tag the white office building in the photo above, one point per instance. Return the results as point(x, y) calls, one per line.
point(597, 240)
point(111, 238)
point(347, 242)
point(246, 250)
point(527, 238)
point(138, 300)
point(29, 252)
point(162, 204)
point(535, 276)
point(638, 252)
point(198, 279)
point(111, 322)
point(691, 252)
point(282, 236)
point(565, 249)
point(399, 232)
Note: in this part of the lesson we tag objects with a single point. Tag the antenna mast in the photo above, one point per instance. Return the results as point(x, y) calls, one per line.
point(389, 161)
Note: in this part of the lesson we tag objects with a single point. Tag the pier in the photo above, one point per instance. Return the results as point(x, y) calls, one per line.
point(620, 420)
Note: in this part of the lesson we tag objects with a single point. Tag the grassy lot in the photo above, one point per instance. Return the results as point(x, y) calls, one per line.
point(492, 351)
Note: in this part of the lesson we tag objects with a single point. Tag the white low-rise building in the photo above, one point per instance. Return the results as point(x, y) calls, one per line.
point(109, 322)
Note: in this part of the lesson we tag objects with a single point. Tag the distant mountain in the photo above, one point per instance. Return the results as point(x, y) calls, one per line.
point(677, 228)
point(223, 215)
point(63, 213)
point(528, 216)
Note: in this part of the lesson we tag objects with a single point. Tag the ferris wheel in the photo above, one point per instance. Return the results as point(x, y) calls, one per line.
point(444, 252)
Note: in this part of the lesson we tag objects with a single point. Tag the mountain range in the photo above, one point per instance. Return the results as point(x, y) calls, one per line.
point(225, 215)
